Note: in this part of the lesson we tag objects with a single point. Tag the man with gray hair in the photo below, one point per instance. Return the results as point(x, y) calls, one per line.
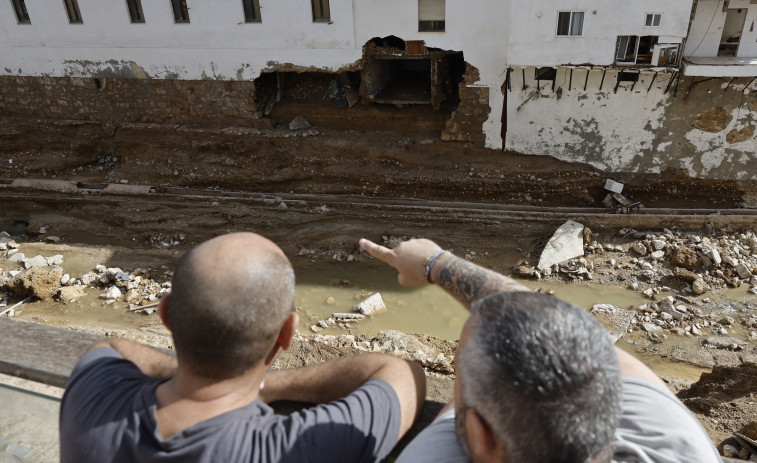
point(538, 380)
point(231, 312)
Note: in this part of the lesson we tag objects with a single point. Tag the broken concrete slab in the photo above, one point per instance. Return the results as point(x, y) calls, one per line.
point(566, 243)
point(371, 305)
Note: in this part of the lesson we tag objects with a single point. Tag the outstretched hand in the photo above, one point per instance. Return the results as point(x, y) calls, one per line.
point(408, 258)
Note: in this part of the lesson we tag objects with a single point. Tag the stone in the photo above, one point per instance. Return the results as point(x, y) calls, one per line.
point(299, 123)
point(132, 295)
point(713, 120)
point(649, 292)
point(112, 293)
point(743, 271)
point(730, 261)
point(657, 255)
point(38, 282)
point(722, 342)
point(566, 243)
point(686, 257)
point(729, 451)
point(65, 279)
point(87, 279)
point(55, 260)
point(699, 287)
point(650, 327)
point(639, 248)
point(686, 275)
point(36, 261)
point(330, 300)
point(526, 272)
point(727, 320)
point(68, 294)
point(371, 305)
point(18, 257)
point(658, 245)
point(715, 256)
point(52, 239)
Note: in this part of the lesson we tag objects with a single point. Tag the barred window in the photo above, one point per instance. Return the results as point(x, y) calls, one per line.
point(251, 11)
point(321, 10)
point(135, 11)
point(72, 9)
point(19, 6)
point(180, 11)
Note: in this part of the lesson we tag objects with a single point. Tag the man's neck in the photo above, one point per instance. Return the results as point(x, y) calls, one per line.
point(188, 399)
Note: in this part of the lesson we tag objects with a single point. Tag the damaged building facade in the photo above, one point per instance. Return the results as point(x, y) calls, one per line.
point(643, 86)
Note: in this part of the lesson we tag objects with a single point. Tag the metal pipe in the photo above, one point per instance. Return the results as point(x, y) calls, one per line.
point(14, 306)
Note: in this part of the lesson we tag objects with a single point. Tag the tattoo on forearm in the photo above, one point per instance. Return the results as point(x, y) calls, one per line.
point(468, 282)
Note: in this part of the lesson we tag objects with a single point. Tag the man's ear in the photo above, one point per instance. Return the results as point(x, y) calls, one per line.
point(286, 333)
point(163, 311)
point(482, 445)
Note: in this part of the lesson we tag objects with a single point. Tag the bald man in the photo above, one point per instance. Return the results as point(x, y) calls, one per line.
point(231, 312)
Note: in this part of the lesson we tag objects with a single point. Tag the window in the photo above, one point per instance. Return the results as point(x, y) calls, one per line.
point(431, 15)
point(135, 11)
point(251, 11)
point(180, 11)
point(19, 6)
point(570, 23)
point(633, 49)
point(653, 20)
point(321, 10)
point(72, 9)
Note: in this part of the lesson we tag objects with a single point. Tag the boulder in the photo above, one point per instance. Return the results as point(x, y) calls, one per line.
point(68, 294)
point(112, 293)
point(566, 243)
point(526, 272)
point(686, 275)
point(686, 258)
point(36, 261)
point(371, 305)
point(699, 287)
point(38, 282)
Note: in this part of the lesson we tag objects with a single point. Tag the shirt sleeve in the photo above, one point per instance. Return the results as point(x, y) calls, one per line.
point(437, 443)
point(656, 427)
point(361, 427)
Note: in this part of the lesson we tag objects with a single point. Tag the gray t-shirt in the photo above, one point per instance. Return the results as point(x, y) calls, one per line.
point(654, 427)
point(108, 414)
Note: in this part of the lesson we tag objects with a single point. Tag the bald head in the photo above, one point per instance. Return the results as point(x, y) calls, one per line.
point(230, 297)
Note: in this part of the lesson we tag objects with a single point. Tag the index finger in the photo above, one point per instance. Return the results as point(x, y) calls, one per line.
point(379, 252)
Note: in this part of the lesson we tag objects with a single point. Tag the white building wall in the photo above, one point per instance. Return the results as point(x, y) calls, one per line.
point(533, 39)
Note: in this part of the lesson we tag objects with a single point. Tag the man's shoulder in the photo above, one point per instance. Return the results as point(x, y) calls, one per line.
point(655, 424)
point(437, 443)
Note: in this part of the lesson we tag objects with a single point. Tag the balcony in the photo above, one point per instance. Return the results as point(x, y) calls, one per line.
point(719, 66)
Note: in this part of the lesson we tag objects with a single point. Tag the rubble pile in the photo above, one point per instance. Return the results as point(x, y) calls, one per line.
point(406, 346)
point(45, 278)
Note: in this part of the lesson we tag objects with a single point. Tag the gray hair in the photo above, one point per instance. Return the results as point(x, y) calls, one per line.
point(544, 375)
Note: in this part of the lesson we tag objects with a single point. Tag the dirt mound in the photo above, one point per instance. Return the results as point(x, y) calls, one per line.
point(725, 401)
point(38, 282)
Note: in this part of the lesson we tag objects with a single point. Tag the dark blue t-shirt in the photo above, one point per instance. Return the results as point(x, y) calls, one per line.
point(108, 415)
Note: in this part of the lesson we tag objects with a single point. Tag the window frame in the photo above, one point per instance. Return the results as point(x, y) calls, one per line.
point(135, 6)
point(180, 7)
point(653, 15)
point(325, 13)
point(251, 9)
point(73, 12)
point(572, 14)
point(22, 14)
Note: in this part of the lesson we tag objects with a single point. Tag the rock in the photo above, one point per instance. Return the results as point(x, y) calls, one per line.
point(743, 271)
point(323, 324)
point(699, 287)
point(526, 272)
point(87, 279)
point(729, 451)
point(347, 317)
point(727, 321)
point(730, 261)
point(722, 342)
point(36, 261)
point(299, 123)
point(566, 243)
point(65, 279)
point(714, 255)
point(68, 294)
point(38, 282)
point(686, 258)
point(686, 275)
point(112, 293)
point(639, 248)
point(587, 235)
point(132, 295)
point(657, 255)
point(52, 239)
point(330, 300)
point(658, 245)
point(18, 257)
point(713, 120)
point(650, 327)
point(649, 292)
point(55, 260)
point(371, 305)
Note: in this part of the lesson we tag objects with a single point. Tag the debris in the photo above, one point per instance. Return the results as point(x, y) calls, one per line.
point(38, 282)
point(743, 271)
point(613, 186)
point(699, 287)
point(18, 304)
point(69, 294)
point(299, 123)
point(566, 243)
point(112, 293)
point(526, 272)
point(347, 317)
point(371, 305)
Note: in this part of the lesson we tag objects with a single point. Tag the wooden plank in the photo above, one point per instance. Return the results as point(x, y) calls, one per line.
point(41, 353)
